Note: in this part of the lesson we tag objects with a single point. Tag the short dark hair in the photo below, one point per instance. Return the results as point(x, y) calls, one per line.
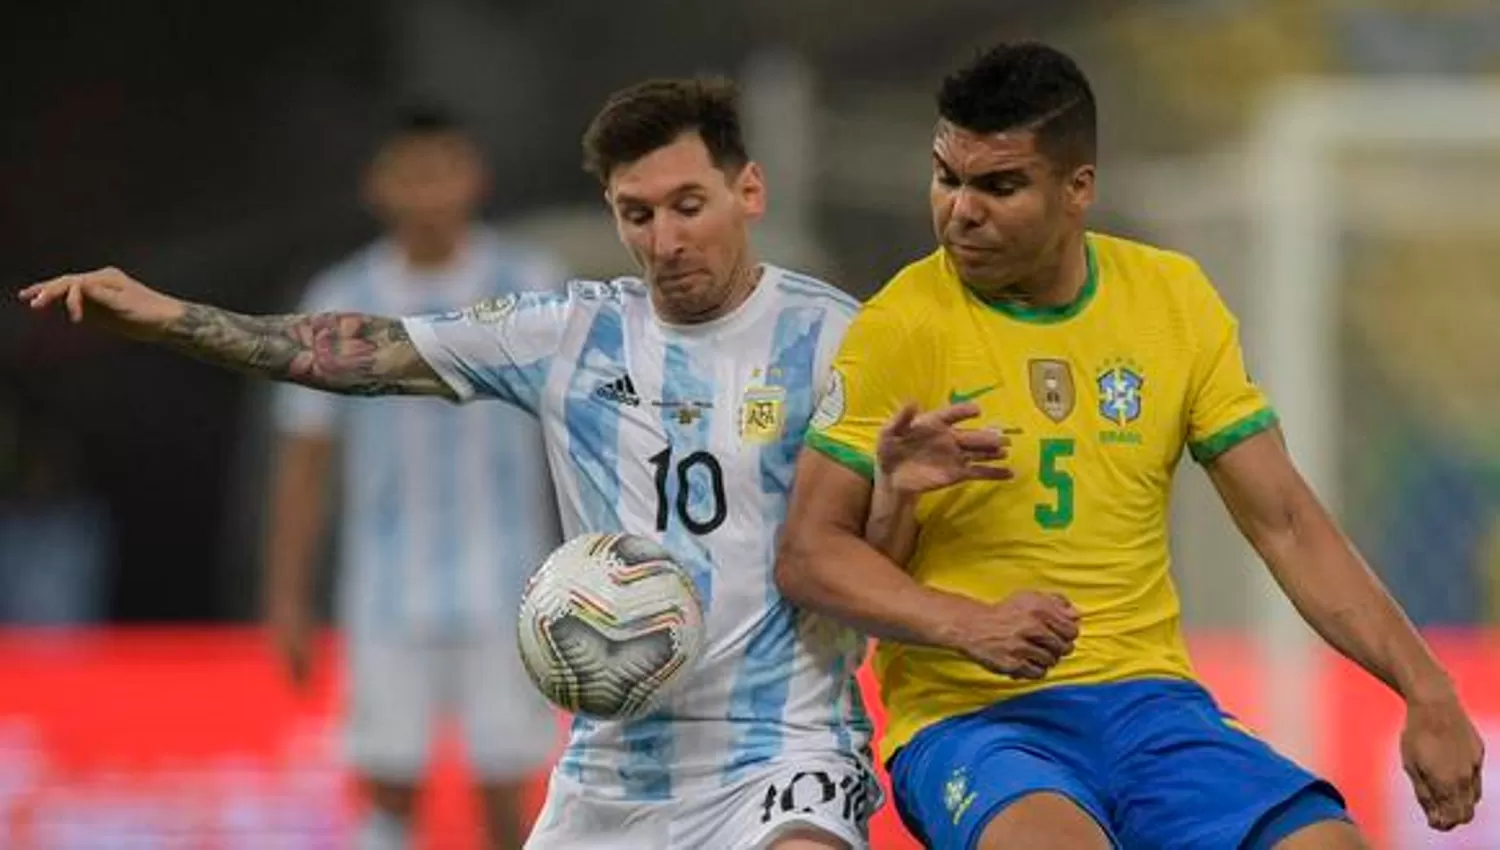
point(421, 118)
point(1025, 86)
point(637, 120)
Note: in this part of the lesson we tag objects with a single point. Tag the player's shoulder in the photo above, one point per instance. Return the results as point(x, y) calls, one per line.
point(1156, 270)
point(615, 291)
point(804, 290)
point(622, 295)
point(919, 295)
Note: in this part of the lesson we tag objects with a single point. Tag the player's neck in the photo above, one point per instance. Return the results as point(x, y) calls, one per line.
point(746, 278)
point(432, 253)
point(742, 286)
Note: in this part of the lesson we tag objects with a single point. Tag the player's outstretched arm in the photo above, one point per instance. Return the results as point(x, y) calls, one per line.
point(345, 353)
point(827, 566)
point(1342, 599)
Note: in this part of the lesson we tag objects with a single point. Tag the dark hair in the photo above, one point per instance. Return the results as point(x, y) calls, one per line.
point(1025, 86)
point(644, 117)
point(423, 119)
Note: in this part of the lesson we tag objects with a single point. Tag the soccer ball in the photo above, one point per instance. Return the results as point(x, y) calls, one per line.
point(609, 622)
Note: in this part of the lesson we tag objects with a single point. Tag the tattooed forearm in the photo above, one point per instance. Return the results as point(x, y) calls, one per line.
point(347, 353)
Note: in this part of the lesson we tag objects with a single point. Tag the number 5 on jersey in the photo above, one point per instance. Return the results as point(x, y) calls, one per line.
point(1058, 514)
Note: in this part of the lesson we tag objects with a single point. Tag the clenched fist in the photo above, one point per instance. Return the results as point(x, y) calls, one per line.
point(1023, 636)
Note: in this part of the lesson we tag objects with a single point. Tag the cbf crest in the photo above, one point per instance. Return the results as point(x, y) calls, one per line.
point(1120, 393)
point(957, 797)
point(1052, 388)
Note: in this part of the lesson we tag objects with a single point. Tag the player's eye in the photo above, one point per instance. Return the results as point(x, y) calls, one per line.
point(636, 215)
point(947, 178)
point(690, 206)
point(1000, 188)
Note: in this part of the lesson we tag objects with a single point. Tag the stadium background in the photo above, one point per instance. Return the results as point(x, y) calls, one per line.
point(214, 151)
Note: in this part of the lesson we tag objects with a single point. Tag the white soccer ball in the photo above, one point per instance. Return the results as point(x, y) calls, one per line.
point(609, 623)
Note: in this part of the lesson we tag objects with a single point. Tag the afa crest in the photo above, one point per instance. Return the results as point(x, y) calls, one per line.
point(761, 414)
point(1120, 394)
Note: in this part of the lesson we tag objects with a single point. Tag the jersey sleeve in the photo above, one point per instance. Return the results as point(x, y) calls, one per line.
point(501, 348)
point(874, 374)
point(1226, 406)
point(302, 411)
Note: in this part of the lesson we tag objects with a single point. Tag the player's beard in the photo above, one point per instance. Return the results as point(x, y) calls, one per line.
point(1018, 273)
point(997, 277)
point(697, 294)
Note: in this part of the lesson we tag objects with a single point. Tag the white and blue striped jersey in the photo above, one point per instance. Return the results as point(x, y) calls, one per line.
point(444, 511)
point(687, 435)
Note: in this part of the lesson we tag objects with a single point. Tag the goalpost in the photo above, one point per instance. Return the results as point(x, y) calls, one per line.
point(1269, 217)
point(1294, 300)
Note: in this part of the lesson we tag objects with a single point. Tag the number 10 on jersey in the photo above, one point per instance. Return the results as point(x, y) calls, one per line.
point(706, 467)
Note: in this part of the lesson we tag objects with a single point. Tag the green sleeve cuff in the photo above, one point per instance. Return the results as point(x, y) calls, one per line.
point(849, 456)
point(1228, 437)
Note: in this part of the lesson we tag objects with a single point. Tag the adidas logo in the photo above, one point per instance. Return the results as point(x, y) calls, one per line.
point(620, 391)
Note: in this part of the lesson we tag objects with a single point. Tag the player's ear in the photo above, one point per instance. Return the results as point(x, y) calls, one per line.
point(1080, 187)
point(750, 186)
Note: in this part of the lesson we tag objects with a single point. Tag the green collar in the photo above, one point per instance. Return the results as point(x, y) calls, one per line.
point(1062, 312)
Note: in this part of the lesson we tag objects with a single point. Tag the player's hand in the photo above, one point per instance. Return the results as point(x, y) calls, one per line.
point(1444, 757)
point(1023, 636)
point(291, 626)
point(920, 452)
point(109, 299)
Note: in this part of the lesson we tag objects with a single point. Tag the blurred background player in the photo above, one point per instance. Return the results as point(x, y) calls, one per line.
point(443, 512)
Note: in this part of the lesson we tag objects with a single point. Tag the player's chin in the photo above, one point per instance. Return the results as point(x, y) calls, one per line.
point(984, 277)
point(687, 296)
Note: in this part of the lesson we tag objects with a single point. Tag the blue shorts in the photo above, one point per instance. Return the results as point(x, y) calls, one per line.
point(1155, 762)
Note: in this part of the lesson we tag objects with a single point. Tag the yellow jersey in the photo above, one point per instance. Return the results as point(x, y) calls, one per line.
point(1099, 399)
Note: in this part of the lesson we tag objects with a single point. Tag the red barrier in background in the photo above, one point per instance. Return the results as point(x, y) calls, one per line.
point(192, 737)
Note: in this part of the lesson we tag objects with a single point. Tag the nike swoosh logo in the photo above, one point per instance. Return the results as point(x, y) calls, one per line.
point(956, 397)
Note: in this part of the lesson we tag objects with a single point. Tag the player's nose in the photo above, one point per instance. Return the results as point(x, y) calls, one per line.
point(667, 239)
point(968, 208)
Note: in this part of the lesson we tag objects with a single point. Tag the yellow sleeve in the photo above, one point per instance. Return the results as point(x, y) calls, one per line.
point(1227, 407)
point(873, 376)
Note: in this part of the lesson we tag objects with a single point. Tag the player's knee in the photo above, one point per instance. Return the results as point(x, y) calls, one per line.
point(1043, 821)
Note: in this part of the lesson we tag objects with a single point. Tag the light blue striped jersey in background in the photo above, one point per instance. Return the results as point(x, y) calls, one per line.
point(686, 434)
point(445, 510)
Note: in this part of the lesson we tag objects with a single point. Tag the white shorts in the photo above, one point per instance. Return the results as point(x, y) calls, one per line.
point(832, 793)
point(400, 689)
